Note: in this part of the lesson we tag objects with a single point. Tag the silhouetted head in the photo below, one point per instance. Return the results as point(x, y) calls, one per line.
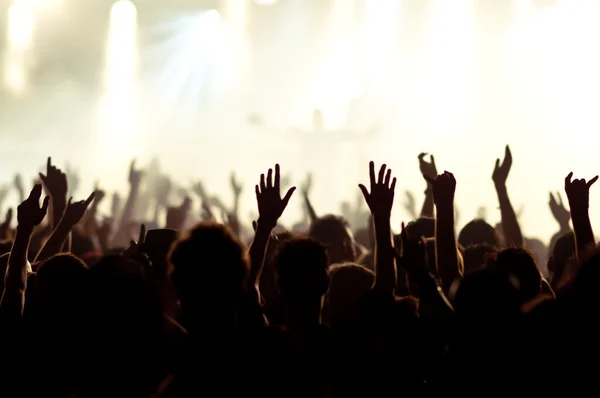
point(301, 268)
point(521, 264)
point(349, 284)
point(475, 257)
point(421, 227)
point(562, 252)
point(209, 266)
point(478, 232)
point(157, 245)
point(488, 295)
point(334, 234)
point(60, 280)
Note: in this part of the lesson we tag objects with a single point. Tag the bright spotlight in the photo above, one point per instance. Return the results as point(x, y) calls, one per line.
point(265, 2)
point(123, 12)
point(20, 26)
point(121, 45)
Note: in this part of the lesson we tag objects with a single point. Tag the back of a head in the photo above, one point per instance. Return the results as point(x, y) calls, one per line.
point(301, 268)
point(488, 295)
point(334, 233)
point(562, 252)
point(422, 227)
point(60, 276)
point(349, 284)
point(158, 243)
point(478, 232)
point(208, 261)
point(521, 264)
point(475, 257)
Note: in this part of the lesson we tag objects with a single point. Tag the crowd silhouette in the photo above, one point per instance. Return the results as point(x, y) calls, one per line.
point(334, 306)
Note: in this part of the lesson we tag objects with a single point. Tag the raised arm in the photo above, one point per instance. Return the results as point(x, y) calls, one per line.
point(308, 207)
point(122, 237)
point(270, 208)
point(380, 200)
point(29, 215)
point(578, 193)
point(510, 224)
point(73, 214)
point(429, 172)
point(446, 248)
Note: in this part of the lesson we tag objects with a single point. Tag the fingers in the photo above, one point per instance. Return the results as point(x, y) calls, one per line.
point(381, 174)
point(142, 237)
point(507, 154)
point(372, 172)
point(45, 205)
point(257, 191)
point(288, 196)
point(422, 156)
point(552, 200)
point(70, 200)
point(254, 225)
point(9, 216)
point(388, 176)
point(277, 182)
point(393, 187)
point(432, 161)
point(49, 163)
point(592, 181)
point(568, 179)
point(497, 166)
point(36, 192)
point(559, 196)
point(43, 178)
point(89, 200)
point(270, 178)
point(364, 192)
point(263, 186)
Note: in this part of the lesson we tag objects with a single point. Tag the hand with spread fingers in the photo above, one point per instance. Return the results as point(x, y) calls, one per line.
point(578, 191)
point(380, 199)
point(428, 169)
point(75, 211)
point(559, 211)
point(270, 203)
point(135, 175)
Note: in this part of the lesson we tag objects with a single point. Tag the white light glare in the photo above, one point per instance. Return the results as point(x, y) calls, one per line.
point(265, 2)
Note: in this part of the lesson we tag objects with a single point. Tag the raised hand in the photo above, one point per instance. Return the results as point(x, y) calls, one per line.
point(444, 187)
point(135, 175)
point(578, 192)
point(18, 183)
point(306, 186)
point(270, 203)
point(55, 181)
point(236, 185)
point(29, 213)
point(428, 170)
point(560, 213)
point(75, 211)
point(501, 171)
point(199, 190)
point(162, 190)
point(136, 248)
point(409, 205)
point(381, 198)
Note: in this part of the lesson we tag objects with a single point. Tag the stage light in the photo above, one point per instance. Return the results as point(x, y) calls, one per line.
point(20, 29)
point(121, 45)
point(20, 26)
